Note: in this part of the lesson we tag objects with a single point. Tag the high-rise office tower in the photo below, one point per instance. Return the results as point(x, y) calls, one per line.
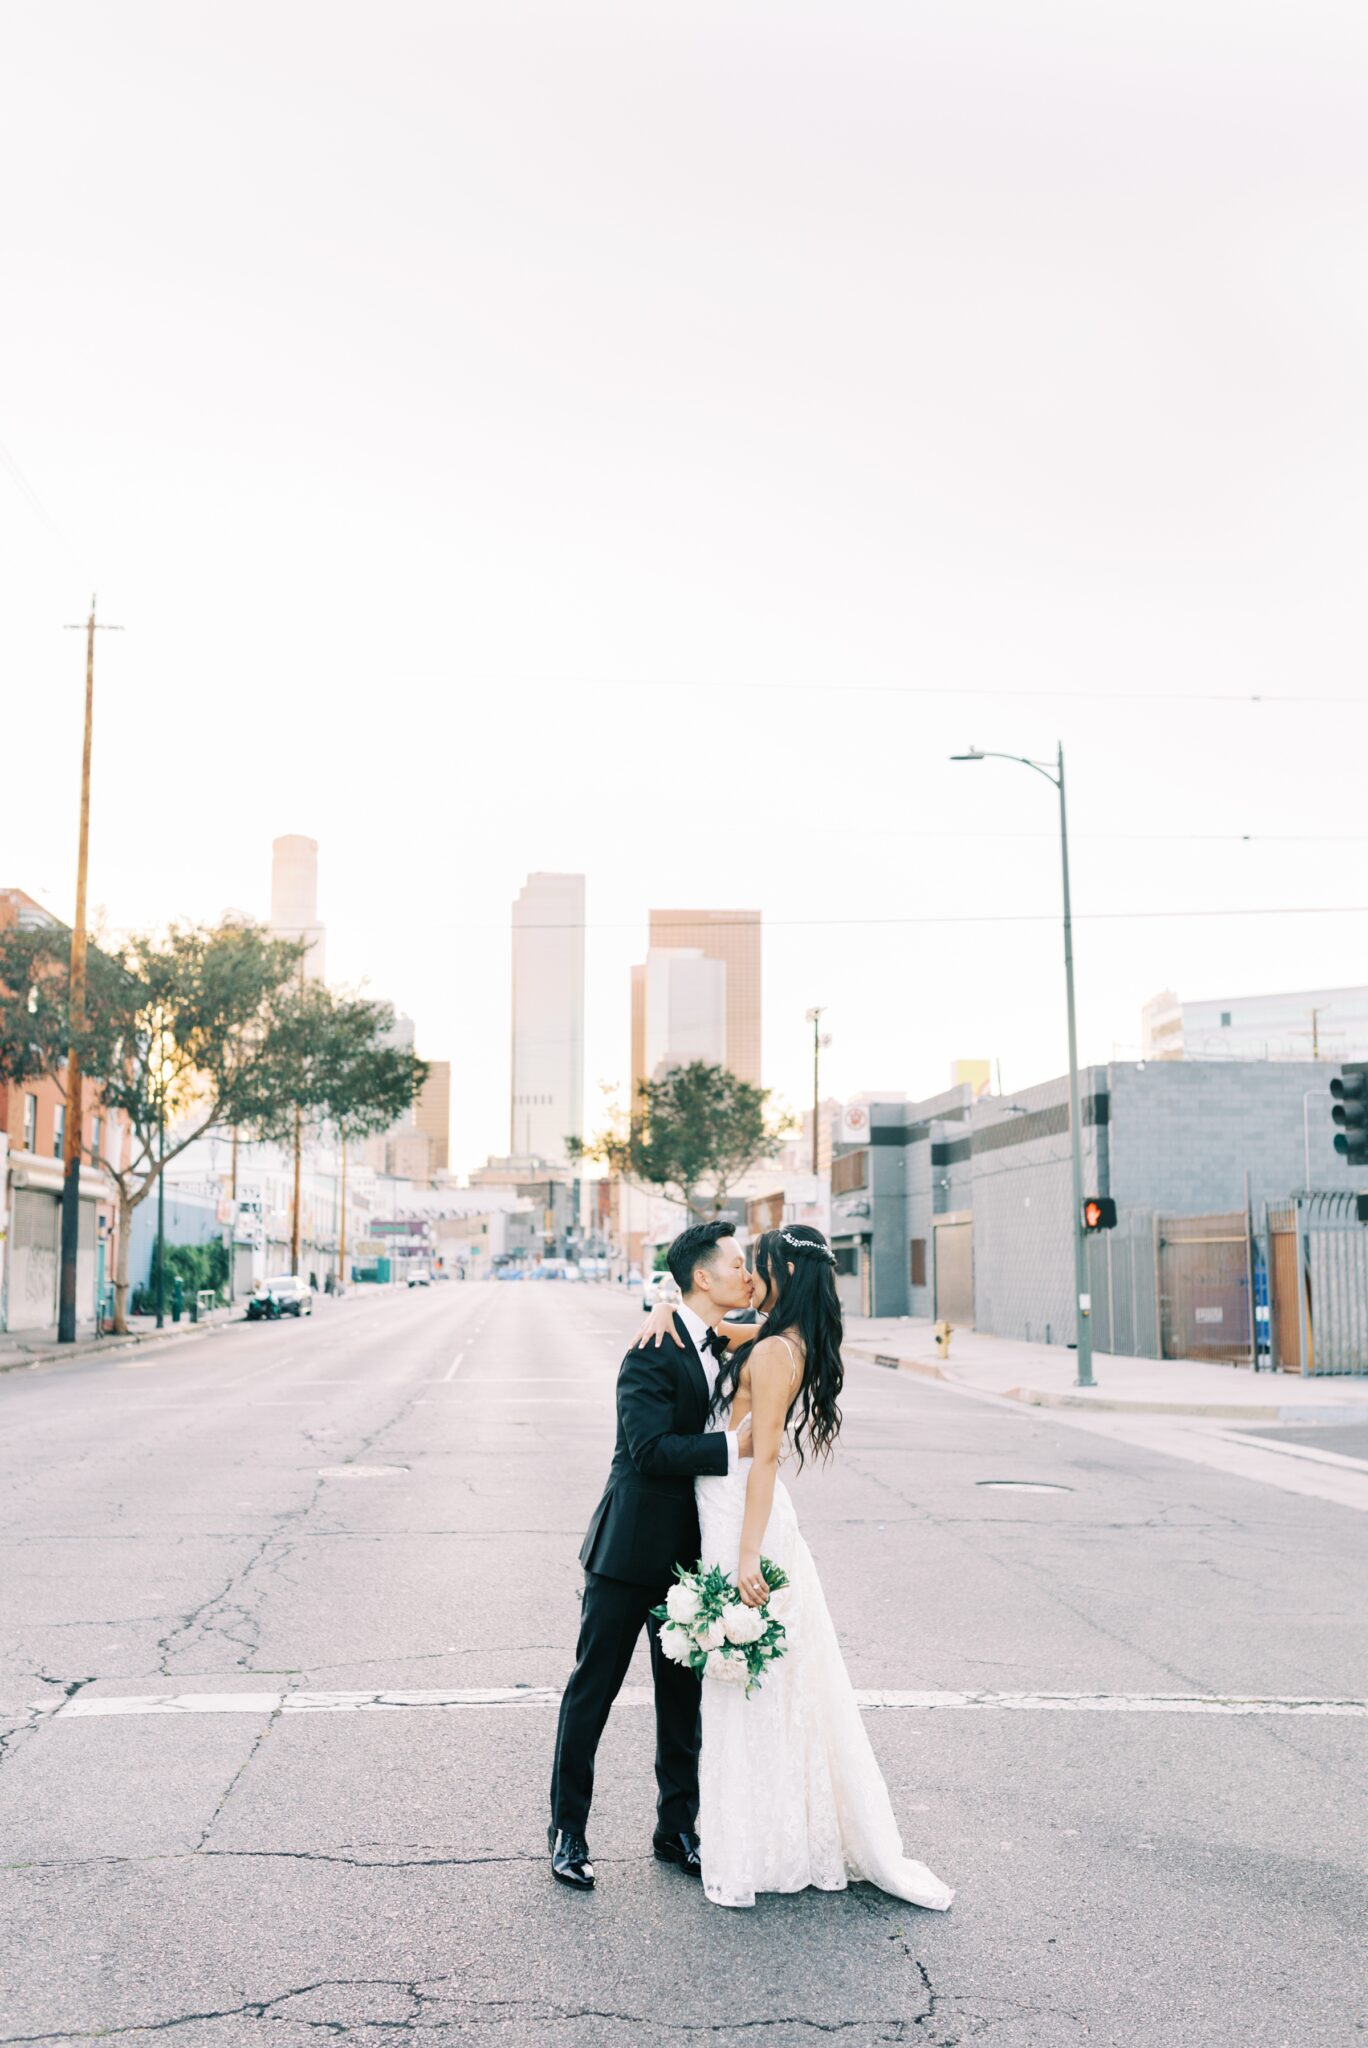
point(434, 1112)
point(547, 1083)
point(686, 1009)
point(730, 937)
point(294, 897)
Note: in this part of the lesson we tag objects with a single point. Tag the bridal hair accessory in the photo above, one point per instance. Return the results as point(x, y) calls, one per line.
point(805, 1244)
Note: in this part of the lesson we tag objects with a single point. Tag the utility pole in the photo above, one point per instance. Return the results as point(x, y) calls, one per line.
point(342, 1223)
point(75, 1118)
point(820, 1038)
point(294, 1210)
point(161, 1170)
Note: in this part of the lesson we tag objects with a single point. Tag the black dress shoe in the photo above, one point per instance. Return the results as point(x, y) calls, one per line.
point(681, 1849)
point(570, 1859)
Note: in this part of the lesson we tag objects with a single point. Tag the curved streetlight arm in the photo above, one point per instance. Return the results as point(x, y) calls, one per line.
point(988, 754)
point(1083, 1324)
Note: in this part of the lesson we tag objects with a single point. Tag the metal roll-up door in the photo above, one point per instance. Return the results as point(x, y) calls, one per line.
point(955, 1271)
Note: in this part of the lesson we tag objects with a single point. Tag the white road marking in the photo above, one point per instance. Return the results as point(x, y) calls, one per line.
point(450, 1373)
point(87, 1705)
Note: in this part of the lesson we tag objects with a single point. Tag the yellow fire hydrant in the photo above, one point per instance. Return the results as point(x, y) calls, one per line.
point(942, 1334)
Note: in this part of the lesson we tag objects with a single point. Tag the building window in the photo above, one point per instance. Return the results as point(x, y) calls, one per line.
point(30, 1123)
point(95, 1141)
point(58, 1129)
point(1225, 1020)
point(847, 1258)
point(849, 1173)
point(917, 1262)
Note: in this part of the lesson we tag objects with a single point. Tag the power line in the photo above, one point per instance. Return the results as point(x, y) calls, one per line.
point(1033, 695)
point(36, 505)
point(988, 917)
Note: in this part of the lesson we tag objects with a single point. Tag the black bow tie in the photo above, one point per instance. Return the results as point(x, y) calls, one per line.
point(715, 1342)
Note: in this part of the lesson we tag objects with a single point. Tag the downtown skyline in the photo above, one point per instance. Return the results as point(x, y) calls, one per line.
point(731, 516)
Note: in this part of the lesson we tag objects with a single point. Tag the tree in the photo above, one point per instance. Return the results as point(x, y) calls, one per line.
point(183, 1033)
point(690, 1136)
point(335, 1064)
point(330, 1056)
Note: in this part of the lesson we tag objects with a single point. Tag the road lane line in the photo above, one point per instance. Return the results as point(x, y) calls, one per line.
point(89, 1706)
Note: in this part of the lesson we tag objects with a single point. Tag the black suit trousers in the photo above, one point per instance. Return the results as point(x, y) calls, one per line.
point(611, 1620)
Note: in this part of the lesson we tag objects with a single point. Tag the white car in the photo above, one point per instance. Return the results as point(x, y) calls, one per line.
point(659, 1287)
point(420, 1277)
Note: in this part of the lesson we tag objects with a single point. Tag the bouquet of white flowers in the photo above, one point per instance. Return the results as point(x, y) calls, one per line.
point(706, 1624)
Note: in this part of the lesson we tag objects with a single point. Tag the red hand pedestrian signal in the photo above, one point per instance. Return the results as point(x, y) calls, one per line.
point(1099, 1213)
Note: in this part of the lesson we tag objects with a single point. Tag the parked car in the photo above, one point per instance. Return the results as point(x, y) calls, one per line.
point(419, 1276)
point(285, 1295)
point(659, 1287)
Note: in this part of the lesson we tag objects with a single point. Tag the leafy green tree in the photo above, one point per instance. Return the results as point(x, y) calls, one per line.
point(181, 1030)
point(336, 1067)
point(690, 1136)
point(330, 1057)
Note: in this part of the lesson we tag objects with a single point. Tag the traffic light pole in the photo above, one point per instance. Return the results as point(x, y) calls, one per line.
point(1082, 1299)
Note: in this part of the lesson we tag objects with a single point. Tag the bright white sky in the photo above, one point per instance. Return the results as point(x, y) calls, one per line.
point(520, 435)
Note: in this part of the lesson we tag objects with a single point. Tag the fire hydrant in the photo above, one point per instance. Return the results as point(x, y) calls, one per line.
point(942, 1335)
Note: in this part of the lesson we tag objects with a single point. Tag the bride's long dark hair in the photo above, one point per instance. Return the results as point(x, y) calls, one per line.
point(808, 1307)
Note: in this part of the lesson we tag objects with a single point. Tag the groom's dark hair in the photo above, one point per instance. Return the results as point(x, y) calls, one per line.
point(694, 1247)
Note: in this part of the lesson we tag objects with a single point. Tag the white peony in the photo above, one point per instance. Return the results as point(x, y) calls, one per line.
point(676, 1645)
point(731, 1670)
point(681, 1603)
point(743, 1624)
point(710, 1638)
point(779, 1606)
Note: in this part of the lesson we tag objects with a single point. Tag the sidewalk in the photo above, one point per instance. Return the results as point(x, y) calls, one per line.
point(1043, 1376)
point(40, 1347)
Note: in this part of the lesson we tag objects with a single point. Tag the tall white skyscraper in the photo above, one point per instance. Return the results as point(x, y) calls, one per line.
point(686, 1009)
point(547, 1090)
point(294, 897)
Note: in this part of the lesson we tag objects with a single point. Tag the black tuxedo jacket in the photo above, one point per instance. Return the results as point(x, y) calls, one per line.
point(646, 1522)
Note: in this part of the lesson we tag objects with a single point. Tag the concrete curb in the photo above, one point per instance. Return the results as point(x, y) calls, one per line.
point(1044, 1397)
point(105, 1347)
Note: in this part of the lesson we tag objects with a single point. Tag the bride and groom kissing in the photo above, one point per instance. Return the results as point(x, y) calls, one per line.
point(778, 1789)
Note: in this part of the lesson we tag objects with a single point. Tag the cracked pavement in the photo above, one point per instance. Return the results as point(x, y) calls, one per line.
point(265, 1876)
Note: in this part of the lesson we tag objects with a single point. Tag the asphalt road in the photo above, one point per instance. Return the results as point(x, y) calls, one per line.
point(290, 1525)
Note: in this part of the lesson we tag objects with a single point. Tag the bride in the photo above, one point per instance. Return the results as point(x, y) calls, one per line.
point(790, 1792)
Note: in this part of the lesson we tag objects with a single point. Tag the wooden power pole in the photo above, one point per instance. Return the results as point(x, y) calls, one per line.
point(71, 1133)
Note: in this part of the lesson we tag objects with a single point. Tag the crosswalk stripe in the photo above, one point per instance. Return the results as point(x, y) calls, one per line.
point(90, 1706)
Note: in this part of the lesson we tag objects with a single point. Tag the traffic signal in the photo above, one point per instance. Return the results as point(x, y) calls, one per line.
point(1099, 1213)
point(1350, 1090)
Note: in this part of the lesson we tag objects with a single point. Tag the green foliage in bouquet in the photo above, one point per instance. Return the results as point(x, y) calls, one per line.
point(715, 1593)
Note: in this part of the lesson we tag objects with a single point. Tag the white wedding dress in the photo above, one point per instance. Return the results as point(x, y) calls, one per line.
point(790, 1792)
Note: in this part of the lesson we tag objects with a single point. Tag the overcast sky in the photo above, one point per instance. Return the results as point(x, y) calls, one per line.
point(528, 436)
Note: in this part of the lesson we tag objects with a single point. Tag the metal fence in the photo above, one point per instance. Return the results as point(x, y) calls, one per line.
point(1125, 1299)
point(1317, 1257)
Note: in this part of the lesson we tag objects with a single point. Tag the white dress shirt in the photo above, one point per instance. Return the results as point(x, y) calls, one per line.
point(697, 1330)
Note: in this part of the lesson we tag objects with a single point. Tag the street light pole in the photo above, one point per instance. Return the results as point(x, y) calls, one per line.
point(1082, 1298)
point(819, 1039)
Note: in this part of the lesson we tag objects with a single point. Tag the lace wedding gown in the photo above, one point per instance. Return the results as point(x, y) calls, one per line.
point(790, 1791)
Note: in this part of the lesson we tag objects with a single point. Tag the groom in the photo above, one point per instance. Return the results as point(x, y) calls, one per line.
point(645, 1524)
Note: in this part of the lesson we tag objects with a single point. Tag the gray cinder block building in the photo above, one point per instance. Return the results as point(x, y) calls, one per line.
point(962, 1208)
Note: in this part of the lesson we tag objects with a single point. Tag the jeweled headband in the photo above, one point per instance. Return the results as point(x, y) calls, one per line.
point(805, 1244)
